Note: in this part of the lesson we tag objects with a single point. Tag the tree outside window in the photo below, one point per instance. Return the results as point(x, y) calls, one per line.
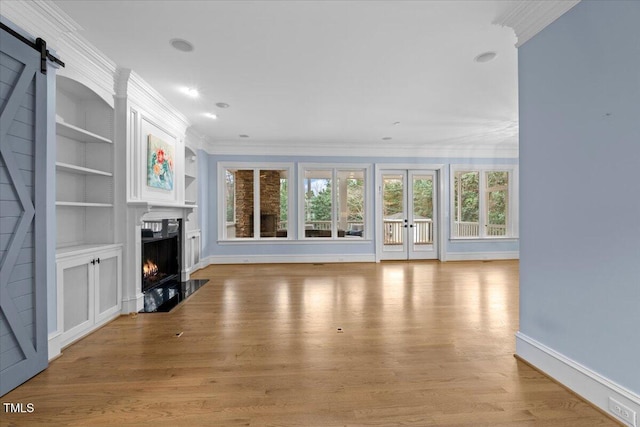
point(334, 203)
point(477, 213)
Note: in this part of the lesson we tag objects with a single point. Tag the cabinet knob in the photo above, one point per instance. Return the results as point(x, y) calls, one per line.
point(98, 261)
point(93, 262)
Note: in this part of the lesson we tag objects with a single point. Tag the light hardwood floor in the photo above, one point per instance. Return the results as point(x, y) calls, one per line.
point(421, 344)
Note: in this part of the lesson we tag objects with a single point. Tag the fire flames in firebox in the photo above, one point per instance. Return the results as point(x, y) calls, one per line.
point(149, 269)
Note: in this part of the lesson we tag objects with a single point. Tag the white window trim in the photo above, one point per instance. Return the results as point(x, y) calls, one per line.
point(334, 168)
point(513, 216)
point(256, 167)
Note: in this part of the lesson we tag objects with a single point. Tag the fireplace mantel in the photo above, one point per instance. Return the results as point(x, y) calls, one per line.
point(159, 210)
point(137, 212)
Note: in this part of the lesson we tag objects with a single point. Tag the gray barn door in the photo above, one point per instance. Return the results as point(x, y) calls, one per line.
point(23, 320)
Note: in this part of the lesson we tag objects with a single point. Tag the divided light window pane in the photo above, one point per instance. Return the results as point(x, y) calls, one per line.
point(481, 213)
point(350, 200)
point(241, 197)
point(334, 203)
point(467, 204)
point(244, 204)
point(273, 203)
point(497, 195)
point(318, 203)
point(229, 192)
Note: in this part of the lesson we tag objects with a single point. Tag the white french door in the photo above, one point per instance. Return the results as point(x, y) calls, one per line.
point(407, 207)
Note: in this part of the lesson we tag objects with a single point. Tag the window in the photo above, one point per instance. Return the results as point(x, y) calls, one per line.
point(482, 204)
point(255, 198)
point(334, 202)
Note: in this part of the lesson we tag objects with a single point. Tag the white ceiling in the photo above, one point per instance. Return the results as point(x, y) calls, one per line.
point(316, 72)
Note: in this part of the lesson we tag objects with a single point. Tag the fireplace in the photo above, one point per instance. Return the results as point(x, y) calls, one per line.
point(161, 266)
point(161, 252)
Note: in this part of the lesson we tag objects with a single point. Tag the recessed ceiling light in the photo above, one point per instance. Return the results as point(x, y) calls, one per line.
point(190, 91)
point(396, 123)
point(243, 136)
point(181, 44)
point(211, 115)
point(387, 138)
point(485, 57)
point(222, 105)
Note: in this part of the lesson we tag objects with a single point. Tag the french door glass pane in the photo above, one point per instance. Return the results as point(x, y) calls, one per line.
point(422, 210)
point(393, 209)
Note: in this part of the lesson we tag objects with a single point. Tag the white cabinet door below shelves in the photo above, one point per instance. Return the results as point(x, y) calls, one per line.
point(89, 291)
point(76, 280)
point(108, 288)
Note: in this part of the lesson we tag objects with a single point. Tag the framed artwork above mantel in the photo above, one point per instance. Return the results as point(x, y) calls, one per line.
point(160, 163)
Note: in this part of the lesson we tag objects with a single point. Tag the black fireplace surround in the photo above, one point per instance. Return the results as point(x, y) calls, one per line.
point(161, 253)
point(161, 268)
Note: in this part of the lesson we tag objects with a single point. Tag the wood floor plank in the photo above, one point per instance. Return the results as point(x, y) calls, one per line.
point(389, 344)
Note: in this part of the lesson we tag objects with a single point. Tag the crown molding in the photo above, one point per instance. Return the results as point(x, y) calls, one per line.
point(83, 62)
point(195, 140)
point(121, 82)
point(153, 104)
point(41, 19)
point(86, 64)
point(130, 85)
point(507, 149)
point(529, 17)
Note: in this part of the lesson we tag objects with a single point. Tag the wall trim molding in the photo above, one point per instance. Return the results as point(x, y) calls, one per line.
point(40, 18)
point(133, 305)
point(481, 256)
point(586, 383)
point(475, 149)
point(528, 18)
point(54, 345)
point(86, 64)
point(83, 61)
point(340, 258)
point(286, 259)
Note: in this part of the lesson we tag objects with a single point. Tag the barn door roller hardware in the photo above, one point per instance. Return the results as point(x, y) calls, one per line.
point(40, 45)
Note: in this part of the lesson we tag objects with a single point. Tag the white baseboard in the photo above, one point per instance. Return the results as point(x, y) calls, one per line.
point(186, 274)
point(286, 259)
point(55, 348)
point(481, 256)
point(586, 383)
point(132, 305)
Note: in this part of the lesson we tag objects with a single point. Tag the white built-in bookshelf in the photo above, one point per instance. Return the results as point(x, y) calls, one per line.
point(190, 177)
point(84, 167)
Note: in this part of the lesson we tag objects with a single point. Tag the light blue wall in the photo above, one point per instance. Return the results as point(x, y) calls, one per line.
point(580, 188)
point(209, 212)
